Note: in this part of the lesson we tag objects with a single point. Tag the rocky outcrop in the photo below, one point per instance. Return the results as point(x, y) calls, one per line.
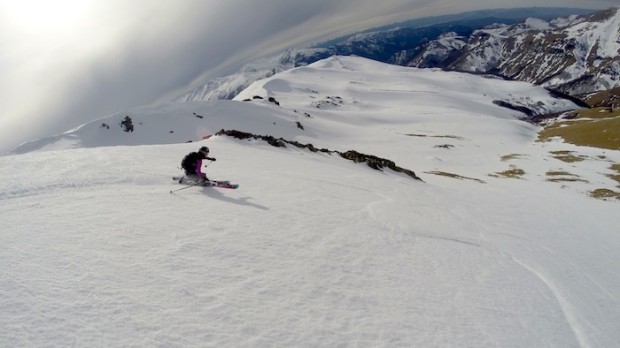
point(373, 162)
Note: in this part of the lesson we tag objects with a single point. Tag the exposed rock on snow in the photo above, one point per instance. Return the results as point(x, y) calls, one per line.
point(373, 162)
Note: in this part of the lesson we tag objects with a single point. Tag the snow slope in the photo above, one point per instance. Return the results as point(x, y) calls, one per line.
point(313, 250)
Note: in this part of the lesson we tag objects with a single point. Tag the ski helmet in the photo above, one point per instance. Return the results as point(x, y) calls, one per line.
point(204, 150)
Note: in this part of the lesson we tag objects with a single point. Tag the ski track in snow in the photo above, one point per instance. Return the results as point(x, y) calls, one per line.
point(568, 310)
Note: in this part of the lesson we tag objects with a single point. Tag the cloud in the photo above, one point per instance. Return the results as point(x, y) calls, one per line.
point(115, 54)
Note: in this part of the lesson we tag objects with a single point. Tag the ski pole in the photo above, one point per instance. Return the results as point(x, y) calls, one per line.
point(183, 188)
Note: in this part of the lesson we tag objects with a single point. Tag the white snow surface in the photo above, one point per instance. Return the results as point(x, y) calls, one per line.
point(536, 23)
point(604, 34)
point(313, 250)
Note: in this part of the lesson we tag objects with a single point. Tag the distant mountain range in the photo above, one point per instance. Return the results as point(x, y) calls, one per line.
point(576, 55)
point(572, 51)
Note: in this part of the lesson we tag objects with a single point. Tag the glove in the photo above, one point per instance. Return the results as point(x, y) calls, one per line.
point(212, 159)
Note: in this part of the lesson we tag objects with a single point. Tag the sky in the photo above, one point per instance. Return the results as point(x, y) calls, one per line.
point(313, 250)
point(67, 62)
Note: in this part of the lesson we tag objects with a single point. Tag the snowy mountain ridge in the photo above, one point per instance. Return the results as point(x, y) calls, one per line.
point(577, 55)
point(396, 44)
point(177, 122)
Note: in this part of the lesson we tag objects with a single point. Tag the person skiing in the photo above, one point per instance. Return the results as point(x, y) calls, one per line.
point(192, 164)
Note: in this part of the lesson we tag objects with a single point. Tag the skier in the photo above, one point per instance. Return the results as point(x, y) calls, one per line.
point(192, 164)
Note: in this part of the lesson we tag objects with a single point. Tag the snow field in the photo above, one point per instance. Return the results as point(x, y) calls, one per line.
point(311, 250)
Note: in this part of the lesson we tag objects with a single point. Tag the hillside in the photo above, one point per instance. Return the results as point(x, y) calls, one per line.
point(501, 244)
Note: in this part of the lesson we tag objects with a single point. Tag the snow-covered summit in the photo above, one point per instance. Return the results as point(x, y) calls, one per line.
point(227, 87)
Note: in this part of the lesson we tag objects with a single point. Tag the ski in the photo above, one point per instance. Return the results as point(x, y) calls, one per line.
point(221, 184)
point(209, 183)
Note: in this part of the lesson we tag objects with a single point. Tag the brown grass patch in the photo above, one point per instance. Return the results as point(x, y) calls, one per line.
point(435, 136)
point(513, 172)
point(559, 173)
point(592, 127)
point(615, 177)
point(605, 194)
point(562, 176)
point(567, 156)
point(454, 176)
point(598, 113)
point(567, 180)
point(511, 157)
point(604, 98)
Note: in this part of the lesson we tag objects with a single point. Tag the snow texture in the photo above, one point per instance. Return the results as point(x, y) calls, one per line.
point(313, 250)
